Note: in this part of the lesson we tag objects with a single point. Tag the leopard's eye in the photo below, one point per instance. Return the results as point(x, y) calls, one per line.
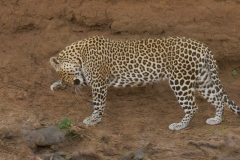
point(76, 82)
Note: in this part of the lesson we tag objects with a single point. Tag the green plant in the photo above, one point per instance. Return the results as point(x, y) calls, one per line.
point(222, 130)
point(65, 125)
point(211, 131)
point(234, 73)
point(68, 156)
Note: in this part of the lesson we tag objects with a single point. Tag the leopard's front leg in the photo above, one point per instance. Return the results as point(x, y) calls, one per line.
point(99, 93)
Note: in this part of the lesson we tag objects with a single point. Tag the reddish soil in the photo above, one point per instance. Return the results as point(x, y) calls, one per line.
point(32, 31)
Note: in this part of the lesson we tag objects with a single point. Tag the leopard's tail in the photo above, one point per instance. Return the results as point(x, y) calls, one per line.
point(231, 104)
point(212, 66)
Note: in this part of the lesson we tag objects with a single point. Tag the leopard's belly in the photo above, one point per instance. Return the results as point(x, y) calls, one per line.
point(131, 79)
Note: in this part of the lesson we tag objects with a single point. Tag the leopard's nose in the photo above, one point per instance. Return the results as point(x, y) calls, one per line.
point(76, 82)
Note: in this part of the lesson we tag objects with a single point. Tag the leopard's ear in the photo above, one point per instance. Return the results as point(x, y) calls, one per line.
point(54, 63)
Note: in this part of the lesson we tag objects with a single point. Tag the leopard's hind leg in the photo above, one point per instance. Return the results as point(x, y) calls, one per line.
point(209, 86)
point(184, 92)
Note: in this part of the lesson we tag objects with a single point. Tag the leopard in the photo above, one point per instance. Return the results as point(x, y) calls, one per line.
point(188, 65)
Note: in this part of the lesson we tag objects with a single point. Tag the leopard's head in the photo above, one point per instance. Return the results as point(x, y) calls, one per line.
point(69, 73)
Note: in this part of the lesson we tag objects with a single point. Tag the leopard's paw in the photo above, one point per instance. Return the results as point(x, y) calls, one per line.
point(214, 121)
point(91, 121)
point(177, 126)
point(57, 84)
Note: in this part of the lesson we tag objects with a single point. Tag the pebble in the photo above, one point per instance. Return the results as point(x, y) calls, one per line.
point(5, 132)
point(52, 156)
point(47, 136)
point(127, 156)
point(131, 155)
point(139, 155)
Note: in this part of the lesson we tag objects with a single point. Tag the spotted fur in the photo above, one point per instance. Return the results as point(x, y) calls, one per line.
point(187, 64)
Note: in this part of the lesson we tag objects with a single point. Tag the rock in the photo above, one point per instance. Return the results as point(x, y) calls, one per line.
point(131, 155)
point(109, 151)
point(52, 156)
point(143, 144)
point(5, 132)
point(84, 156)
point(8, 135)
point(139, 155)
point(47, 136)
point(54, 147)
point(127, 156)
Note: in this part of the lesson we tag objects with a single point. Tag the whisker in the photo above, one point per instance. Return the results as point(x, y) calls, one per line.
point(76, 89)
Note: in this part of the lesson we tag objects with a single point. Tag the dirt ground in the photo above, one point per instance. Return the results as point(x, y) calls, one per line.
point(32, 31)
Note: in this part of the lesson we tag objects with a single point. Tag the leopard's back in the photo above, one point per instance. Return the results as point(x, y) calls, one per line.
point(139, 62)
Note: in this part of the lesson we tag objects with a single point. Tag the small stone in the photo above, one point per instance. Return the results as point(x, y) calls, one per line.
point(8, 135)
point(143, 144)
point(127, 156)
point(53, 156)
point(139, 155)
point(47, 136)
point(5, 132)
point(109, 151)
point(24, 132)
point(84, 156)
point(54, 147)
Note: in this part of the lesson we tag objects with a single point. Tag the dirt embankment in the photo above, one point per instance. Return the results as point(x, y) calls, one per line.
point(32, 31)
